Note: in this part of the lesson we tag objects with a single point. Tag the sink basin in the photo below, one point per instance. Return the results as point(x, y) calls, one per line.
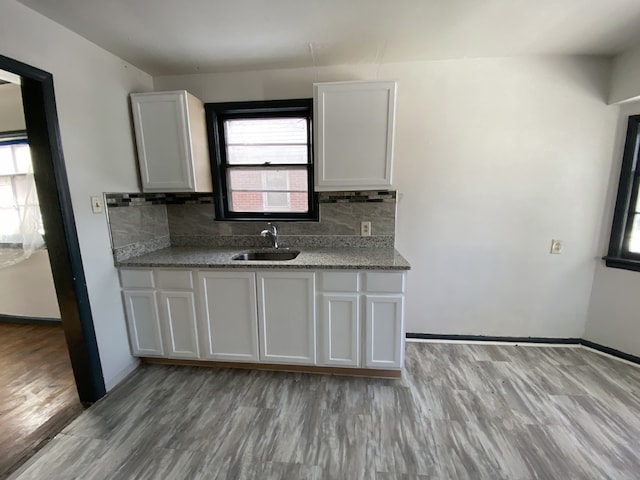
point(270, 255)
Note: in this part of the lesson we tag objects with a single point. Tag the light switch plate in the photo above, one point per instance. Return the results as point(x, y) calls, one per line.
point(556, 246)
point(96, 204)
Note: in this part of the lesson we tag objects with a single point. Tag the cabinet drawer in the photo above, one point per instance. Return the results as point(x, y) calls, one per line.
point(174, 279)
point(379, 282)
point(340, 281)
point(136, 278)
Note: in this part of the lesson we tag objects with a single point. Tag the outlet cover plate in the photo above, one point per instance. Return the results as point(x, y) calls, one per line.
point(556, 247)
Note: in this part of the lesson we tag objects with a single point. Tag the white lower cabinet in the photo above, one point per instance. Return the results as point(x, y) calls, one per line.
point(267, 316)
point(141, 308)
point(286, 317)
point(177, 304)
point(361, 319)
point(161, 312)
point(229, 321)
point(384, 331)
point(340, 330)
point(178, 311)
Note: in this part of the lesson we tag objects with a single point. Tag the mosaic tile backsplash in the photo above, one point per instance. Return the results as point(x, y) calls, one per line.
point(144, 222)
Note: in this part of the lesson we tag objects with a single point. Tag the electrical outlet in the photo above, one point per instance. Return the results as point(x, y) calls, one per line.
point(556, 246)
point(365, 229)
point(96, 204)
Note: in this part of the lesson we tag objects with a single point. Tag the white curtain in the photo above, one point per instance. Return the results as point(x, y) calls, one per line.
point(21, 231)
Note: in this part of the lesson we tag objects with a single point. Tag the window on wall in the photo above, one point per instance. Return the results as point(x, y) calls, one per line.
point(262, 160)
point(18, 198)
point(624, 245)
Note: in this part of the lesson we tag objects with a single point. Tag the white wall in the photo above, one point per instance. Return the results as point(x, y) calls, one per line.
point(614, 310)
point(625, 83)
point(11, 115)
point(91, 87)
point(26, 288)
point(494, 158)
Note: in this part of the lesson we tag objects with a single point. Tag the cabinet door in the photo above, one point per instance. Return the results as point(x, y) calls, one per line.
point(340, 330)
point(179, 315)
point(144, 323)
point(164, 145)
point(384, 332)
point(229, 322)
point(287, 323)
point(354, 128)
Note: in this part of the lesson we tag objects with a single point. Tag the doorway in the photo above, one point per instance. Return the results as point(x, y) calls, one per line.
point(50, 176)
point(37, 387)
point(24, 260)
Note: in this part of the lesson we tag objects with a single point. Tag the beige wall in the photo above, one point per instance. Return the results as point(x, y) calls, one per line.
point(91, 87)
point(11, 115)
point(494, 158)
point(625, 84)
point(614, 310)
point(27, 290)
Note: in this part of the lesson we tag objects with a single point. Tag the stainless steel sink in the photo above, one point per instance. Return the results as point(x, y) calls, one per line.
point(268, 255)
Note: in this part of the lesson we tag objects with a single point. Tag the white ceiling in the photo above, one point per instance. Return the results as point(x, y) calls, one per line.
point(173, 37)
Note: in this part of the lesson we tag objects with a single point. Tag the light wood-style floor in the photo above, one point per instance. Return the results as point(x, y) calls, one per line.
point(460, 412)
point(38, 396)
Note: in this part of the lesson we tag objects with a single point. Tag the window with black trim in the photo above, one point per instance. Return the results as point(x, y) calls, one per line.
point(624, 245)
point(262, 160)
point(20, 217)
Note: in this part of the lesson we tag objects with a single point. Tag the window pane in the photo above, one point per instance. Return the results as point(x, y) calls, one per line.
point(25, 190)
point(274, 140)
point(260, 154)
point(268, 190)
point(262, 179)
point(296, 202)
point(276, 179)
point(634, 242)
point(9, 224)
point(6, 160)
point(6, 193)
point(23, 158)
point(279, 200)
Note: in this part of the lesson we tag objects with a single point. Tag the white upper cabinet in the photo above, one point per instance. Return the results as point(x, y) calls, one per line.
point(354, 125)
point(171, 137)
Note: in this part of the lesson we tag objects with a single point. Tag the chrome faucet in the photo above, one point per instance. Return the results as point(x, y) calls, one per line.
point(272, 232)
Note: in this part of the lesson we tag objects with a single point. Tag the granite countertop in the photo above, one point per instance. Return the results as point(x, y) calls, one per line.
point(309, 258)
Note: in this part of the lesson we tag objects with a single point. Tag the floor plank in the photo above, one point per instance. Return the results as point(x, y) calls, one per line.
point(459, 412)
point(38, 396)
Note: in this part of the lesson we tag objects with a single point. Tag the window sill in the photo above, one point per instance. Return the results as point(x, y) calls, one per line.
point(623, 263)
point(275, 218)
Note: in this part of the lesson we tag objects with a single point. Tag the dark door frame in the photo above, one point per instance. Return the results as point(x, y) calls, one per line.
point(50, 175)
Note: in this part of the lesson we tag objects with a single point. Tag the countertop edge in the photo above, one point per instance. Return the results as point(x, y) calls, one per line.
point(313, 259)
point(259, 266)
